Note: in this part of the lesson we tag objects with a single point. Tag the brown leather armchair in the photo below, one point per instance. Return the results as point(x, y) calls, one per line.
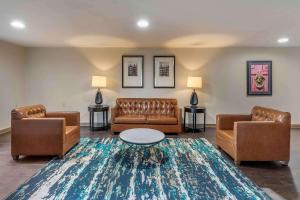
point(155, 113)
point(264, 135)
point(37, 132)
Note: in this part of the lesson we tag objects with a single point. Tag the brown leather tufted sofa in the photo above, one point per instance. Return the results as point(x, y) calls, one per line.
point(159, 114)
point(264, 135)
point(37, 132)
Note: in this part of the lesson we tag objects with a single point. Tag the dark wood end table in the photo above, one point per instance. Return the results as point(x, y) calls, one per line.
point(194, 110)
point(98, 108)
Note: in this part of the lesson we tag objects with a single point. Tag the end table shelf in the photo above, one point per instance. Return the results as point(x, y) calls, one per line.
point(98, 108)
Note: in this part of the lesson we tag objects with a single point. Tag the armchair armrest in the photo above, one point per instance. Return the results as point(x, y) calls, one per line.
point(261, 138)
point(39, 127)
point(72, 118)
point(37, 136)
point(114, 114)
point(226, 121)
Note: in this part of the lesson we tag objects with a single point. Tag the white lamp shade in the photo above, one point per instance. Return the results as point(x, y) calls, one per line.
point(99, 81)
point(194, 82)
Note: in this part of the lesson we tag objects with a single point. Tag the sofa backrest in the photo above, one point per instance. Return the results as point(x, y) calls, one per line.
point(34, 111)
point(146, 106)
point(268, 114)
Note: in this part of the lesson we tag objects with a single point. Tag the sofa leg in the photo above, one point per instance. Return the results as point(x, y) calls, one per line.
point(237, 162)
point(61, 156)
point(285, 162)
point(15, 157)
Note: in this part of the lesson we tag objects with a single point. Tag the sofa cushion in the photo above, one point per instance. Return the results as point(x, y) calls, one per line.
point(226, 134)
point(161, 119)
point(130, 119)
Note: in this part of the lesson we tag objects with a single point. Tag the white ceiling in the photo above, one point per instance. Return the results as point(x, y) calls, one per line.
point(173, 23)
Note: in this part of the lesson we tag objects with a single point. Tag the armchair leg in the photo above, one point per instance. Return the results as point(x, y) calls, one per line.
point(285, 162)
point(237, 162)
point(15, 157)
point(61, 156)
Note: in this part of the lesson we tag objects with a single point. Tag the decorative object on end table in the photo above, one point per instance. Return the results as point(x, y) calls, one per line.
point(98, 82)
point(164, 71)
point(132, 71)
point(194, 82)
point(259, 77)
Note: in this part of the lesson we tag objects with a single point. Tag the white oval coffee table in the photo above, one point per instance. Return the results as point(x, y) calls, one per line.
point(137, 138)
point(142, 136)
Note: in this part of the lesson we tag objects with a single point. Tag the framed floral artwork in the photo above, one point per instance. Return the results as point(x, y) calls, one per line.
point(133, 71)
point(259, 77)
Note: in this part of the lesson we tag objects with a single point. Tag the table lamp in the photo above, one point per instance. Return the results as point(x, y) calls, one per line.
point(98, 82)
point(194, 82)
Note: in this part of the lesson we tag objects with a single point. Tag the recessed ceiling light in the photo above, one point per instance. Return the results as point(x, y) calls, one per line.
point(283, 40)
point(142, 23)
point(17, 24)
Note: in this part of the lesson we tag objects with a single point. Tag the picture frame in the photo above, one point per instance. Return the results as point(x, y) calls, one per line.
point(132, 71)
point(164, 71)
point(259, 78)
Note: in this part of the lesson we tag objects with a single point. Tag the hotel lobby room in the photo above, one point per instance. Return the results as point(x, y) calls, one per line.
point(149, 99)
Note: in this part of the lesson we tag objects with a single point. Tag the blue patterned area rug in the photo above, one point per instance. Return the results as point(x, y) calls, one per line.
point(107, 169)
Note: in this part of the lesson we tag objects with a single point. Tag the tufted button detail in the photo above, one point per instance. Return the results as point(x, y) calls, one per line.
point(139, 106)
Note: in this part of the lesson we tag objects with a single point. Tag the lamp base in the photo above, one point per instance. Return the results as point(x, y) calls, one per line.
point(98, 98)
point(194, 99)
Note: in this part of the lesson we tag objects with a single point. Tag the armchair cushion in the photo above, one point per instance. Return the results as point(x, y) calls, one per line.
point(71, 129)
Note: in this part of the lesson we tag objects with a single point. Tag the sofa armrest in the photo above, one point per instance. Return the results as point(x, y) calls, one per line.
point(114, 114)
point(178, 114)
point(226, 121)
point(261, 137)
point(72, 118)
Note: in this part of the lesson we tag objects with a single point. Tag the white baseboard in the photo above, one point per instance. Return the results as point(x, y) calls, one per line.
point(295, 126)
point(6, 130)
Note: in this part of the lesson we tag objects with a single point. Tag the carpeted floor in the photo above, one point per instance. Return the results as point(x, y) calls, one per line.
point(179, 168)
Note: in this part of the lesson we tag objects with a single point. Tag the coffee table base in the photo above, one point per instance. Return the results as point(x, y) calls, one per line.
point(140, 149)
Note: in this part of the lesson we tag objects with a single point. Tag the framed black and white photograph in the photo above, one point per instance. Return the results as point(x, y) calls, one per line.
point(132, 71)
point(164, 71)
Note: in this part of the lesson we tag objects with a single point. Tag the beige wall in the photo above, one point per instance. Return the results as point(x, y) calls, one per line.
point(60, 78)
point(12, 80)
